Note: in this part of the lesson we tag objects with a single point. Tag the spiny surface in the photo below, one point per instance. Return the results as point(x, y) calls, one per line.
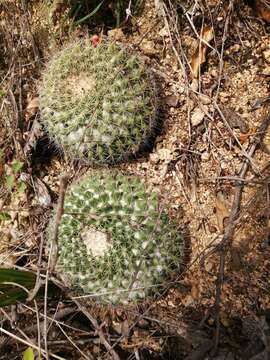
point(98, 104)
point(114, 242)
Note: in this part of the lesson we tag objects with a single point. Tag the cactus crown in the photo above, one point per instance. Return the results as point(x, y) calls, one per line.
point(114, 241)
point(98, 104)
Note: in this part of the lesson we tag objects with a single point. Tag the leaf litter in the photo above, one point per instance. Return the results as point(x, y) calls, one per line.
point(193, 168)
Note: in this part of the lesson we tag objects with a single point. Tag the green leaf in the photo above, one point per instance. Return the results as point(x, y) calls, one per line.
point(89, 15)
point(4, 216)
point(16, 166)
point(16, 284)
point(21, 188)
point(28, 354)
point(9, 181)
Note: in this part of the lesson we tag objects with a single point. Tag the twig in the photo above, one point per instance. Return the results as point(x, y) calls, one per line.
point(98, 329)
point(39, 282)
point(53, 255)
point(59, 212)
point(28, 343)
point(229, 230)
point(234, 179)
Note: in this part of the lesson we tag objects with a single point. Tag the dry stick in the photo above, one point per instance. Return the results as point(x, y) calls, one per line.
point(87, 357)
point(39, 282)
point(29, 343)
point(229, 230)
point(59, 212)
point(98, 329)
point(53, 255)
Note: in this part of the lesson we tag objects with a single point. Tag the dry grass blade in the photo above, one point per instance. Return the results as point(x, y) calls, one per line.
point(31, 344)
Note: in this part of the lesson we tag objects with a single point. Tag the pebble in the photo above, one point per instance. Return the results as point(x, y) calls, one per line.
point(116, 34)
point(197, 117)
point(148, 48)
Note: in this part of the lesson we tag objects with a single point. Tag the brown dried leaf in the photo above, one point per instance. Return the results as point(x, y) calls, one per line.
point(125, 328)
point(172, 100)
point(42, 193)
point(197, 117)
point(199, 57)
point(262, 7)
point(222, 211)
point(32, 108)
point(233, 119)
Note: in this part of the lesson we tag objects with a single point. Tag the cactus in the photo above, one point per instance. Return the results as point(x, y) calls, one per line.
point(115, 244)
point(99, 103)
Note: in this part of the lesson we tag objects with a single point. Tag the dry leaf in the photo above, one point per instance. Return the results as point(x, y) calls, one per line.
point(233, 119)
point(222, 211)
point(172, 100)
point(31, 108)
point(42, 193)
point(197, 117)
point(262, 7)
point(116, 35)
point(148, 48)
point(224, 319)
point(125, 328)
point(199, 57)
point(243, 138)
point(195, 292)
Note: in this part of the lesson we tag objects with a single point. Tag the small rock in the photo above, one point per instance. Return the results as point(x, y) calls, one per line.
point(143, 324)
point(172, 100)
point(197, 117)
point(205, 156)
point(194, 85)
point(188, 300)
point(208, 266)
point(205, 99)
point(164, 32)
point(116, 34)
point(266, 71)
point(165, 154)
point(154, 158)
point(148, 48)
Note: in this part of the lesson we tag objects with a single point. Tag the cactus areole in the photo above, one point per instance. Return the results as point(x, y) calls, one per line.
point(115, 244)
point(98, 103)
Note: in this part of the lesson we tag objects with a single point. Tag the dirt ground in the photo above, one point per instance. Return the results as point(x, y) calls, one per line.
point(215, 98)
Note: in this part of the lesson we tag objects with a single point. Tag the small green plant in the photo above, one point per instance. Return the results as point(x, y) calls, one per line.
point(12, 183)
point(28, 354)
point(99, 103)
point(105, 12)
point(115, 244)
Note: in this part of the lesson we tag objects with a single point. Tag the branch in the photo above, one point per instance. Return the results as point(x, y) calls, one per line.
point(98, 329)
point(229, 230)
point(59, 212)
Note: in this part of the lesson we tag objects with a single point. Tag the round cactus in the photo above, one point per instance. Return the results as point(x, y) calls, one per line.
point(99, 103)
point(115, 244)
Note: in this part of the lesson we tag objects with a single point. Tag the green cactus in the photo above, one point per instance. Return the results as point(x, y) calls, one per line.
point(99, 103)
point(115, 244)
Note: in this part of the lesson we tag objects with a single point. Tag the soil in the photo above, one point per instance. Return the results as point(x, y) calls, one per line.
point(211, 115)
